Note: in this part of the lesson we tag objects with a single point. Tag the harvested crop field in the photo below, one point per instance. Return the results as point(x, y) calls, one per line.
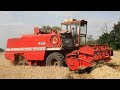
point(9, 71)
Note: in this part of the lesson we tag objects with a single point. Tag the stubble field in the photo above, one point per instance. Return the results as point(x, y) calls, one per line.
point(9, 71)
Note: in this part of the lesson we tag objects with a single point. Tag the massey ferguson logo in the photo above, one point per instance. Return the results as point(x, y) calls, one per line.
point(41, 43)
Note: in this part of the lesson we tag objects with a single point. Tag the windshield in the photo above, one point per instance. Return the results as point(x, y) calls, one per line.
point(83, 33)
point(78, 32)
point(66, 27)
point(83, 29)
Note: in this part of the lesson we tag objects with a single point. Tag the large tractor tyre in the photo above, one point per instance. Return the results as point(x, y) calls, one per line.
point(20, 60)
point(55, 59)
point(15, 62)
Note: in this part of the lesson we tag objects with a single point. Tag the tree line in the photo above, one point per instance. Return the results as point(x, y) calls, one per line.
point(112, 38)
point(48, 28)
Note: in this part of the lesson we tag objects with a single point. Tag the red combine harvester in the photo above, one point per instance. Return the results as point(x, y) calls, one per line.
point(67, 46)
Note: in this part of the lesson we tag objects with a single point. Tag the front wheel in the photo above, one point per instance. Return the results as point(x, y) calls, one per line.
point(55, 59)
point(20, 60)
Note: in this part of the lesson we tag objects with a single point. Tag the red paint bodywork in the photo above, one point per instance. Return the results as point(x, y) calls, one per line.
point(32, 41)
point(28, 41)
point(87, 55)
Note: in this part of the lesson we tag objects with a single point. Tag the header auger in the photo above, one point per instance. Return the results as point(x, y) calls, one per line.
point(87, 56)
point(68, 46)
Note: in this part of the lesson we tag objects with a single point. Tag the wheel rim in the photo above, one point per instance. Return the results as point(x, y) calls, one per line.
point(54, 62)
point(22, 62)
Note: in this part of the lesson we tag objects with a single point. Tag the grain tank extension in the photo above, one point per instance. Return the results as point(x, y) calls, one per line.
point(67, 46)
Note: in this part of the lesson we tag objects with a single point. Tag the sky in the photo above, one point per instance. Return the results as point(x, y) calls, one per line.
point(15, 23)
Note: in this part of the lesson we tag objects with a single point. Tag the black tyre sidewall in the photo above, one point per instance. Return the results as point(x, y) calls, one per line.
point(58, 56)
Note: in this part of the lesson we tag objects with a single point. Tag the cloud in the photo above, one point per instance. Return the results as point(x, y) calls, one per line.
point(62, 13)
point(13, 32)
point(6, 18)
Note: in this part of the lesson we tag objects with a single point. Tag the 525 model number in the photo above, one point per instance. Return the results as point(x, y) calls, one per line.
point(41, 43)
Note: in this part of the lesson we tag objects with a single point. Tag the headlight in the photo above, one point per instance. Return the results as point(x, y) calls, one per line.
point(54, 40)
